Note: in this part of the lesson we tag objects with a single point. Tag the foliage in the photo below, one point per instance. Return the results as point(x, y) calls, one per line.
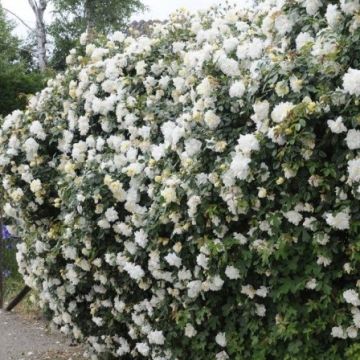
point(16, 78)
point(195, 194)
point(12, 278)
point(8, 43)
point(107, 15)
point(16, 86)
point(72, 18)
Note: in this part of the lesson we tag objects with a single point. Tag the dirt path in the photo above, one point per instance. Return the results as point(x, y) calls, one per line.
point(30, 340)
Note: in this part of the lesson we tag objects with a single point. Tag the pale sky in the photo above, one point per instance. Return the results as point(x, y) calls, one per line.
point(158, 9)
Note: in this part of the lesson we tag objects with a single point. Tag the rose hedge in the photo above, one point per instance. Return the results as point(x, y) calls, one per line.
point(195, 194)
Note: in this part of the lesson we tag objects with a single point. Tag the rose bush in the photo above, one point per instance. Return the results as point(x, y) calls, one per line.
point(195, 194)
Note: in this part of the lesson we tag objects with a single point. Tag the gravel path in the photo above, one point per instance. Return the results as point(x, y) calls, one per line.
point(22, 339)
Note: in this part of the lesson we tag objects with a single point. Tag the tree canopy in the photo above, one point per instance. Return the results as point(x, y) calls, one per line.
point(16, 77)
point(73, 17)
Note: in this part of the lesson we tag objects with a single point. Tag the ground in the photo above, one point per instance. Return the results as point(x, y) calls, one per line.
point(31, 339)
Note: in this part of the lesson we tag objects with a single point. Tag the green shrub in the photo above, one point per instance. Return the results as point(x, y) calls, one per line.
point(16, 87)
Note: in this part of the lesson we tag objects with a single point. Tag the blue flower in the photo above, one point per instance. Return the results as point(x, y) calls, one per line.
point(5, 232)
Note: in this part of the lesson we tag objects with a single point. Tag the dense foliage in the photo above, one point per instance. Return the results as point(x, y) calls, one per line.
point(17, 79)
point(195, 194)
point(73, 17)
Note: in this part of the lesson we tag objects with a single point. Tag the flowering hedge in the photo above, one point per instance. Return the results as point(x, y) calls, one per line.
point(195, 194)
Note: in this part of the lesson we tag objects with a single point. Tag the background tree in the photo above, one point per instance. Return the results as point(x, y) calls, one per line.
point(17, 76)
point(74, 17)
point(37, 35)
point(39, 7)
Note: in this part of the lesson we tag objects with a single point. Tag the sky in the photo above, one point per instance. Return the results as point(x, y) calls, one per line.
point(158, 9)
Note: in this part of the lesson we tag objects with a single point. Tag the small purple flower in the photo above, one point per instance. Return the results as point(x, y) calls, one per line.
point(5, 232)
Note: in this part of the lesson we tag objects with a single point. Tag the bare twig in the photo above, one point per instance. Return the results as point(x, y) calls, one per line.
point(19, 18)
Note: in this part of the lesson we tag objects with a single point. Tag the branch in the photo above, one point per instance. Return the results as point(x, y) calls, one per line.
point(19, 18)
point(33, 5)
point(43, 4)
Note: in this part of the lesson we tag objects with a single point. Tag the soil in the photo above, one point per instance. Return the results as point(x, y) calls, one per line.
point(31, 339)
